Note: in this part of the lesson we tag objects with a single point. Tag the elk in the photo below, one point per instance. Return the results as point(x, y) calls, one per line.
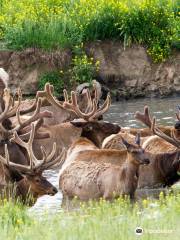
point(16, 151)
point(114, 141)
point(27, 180)
point(157, 144)
point(165, 156)
point(92, 173)
point(86, 124)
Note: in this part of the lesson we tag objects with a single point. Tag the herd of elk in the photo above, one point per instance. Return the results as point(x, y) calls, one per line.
point(96, 158)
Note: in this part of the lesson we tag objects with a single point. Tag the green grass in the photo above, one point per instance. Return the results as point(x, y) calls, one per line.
point(95, 220)
point(52, 24)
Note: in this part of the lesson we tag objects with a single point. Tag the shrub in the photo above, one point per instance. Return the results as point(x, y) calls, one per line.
point(54, 78)
point(83, 69)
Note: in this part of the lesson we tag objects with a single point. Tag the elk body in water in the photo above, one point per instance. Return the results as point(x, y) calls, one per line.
point(92, 173)
point(164, 167)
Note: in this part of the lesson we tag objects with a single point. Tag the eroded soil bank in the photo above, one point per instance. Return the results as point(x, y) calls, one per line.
point(127, 72)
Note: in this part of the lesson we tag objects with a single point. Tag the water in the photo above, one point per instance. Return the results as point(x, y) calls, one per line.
point(123, 114)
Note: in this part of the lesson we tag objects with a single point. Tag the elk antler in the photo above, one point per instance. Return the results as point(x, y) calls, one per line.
point(151, 123)
point(7, 103)
point(35, 164)
point(173, 140)
point(144, 117)
point(48, 94)
point(92, 112)
point(36, 116)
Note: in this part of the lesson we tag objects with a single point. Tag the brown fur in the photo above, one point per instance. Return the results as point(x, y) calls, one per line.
point(65, 134)
point(91, 174)
point(145, 132)
point(162, 170)
point(28, 189)
point(24, 184)
point(115, 142)
point(157, 145)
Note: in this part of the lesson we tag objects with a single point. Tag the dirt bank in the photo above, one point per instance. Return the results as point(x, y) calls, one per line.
point(127, 72)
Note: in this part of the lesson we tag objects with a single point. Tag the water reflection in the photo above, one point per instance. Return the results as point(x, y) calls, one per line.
point(123, 114)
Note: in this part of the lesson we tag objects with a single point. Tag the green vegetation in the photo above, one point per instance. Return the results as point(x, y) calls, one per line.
point(95, 220)
point(51, 24)
point(82, 69)
point(54, 78)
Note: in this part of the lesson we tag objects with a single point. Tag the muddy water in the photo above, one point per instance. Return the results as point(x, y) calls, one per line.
point(123, 114)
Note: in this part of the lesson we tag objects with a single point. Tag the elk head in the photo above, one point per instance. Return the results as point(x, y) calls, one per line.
point(32, 181)
point(167, 165)
point(87, 120)
point(93, 129)
point(136, 154)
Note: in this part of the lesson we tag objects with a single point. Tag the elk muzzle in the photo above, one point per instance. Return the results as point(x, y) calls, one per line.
point(52, 191)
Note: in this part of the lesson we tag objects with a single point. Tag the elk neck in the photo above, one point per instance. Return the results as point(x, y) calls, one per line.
point(96, 136)
point(129, 176)
point(131, 164)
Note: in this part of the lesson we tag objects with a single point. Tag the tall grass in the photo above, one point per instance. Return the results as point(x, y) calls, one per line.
point(95, 220)
point(52, 24)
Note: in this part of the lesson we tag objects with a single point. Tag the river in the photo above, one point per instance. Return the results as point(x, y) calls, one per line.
point(123, 114)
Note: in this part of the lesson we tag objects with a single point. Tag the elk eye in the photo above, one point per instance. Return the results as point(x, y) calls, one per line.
point(37, 180)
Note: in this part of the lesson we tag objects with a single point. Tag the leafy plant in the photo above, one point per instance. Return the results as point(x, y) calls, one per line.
point(83, 69)
point(54, 78)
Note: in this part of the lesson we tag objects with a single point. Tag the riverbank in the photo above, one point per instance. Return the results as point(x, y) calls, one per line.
point(131, 47)
point(128, 73)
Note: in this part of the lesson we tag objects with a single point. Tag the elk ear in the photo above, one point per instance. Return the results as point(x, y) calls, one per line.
point(127, 145)
point(138, 139)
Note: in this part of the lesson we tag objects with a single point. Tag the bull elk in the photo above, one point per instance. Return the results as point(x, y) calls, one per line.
point(115, 141)
point(165, 162)
point(16, 150)
point(27, 180)
point(157, 144)
point(86, 123)
point(92, 173)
